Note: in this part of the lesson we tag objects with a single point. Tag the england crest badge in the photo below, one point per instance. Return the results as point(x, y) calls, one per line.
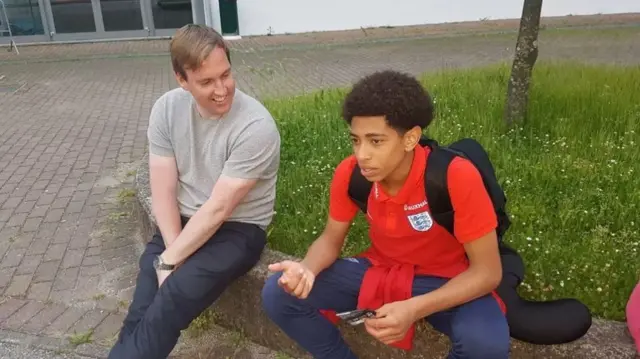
point(420, 221)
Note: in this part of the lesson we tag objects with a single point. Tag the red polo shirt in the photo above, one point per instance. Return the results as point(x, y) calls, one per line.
point(401, 229)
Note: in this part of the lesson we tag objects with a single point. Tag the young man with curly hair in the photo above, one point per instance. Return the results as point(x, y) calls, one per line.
point(414, 269)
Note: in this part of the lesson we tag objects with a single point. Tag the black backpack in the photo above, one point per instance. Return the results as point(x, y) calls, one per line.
point(534, 322)
point(435, 179)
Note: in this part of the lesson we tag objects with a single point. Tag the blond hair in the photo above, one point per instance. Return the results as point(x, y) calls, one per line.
point(192, 44)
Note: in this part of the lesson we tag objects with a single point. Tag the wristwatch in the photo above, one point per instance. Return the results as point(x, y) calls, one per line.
point(159, 264)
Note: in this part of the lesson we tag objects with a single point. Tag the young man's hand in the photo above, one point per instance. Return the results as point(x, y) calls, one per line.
point(392, 321)
point(296, 278)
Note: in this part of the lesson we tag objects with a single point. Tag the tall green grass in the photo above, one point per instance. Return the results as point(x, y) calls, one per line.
point(570, 173)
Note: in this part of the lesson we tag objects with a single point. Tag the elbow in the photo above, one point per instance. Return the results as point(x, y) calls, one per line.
point(217, 212)
point(493, 278)
point(488, 276)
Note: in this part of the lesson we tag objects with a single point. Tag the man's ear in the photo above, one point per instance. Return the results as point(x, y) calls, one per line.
point(181, 80)
point(412, 138)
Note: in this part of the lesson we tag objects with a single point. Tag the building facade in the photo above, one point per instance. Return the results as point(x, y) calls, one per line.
point(77, 20)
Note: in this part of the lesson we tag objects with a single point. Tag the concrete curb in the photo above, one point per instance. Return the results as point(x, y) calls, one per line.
point(239, 308)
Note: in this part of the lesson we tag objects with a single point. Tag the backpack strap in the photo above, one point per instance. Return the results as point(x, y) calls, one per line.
point(359, 188)
point(436, 188)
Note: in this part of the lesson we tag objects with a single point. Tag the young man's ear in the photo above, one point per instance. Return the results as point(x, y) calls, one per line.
point(411, 138)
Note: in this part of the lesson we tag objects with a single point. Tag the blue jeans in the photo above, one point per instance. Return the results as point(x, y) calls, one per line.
point(477, 329)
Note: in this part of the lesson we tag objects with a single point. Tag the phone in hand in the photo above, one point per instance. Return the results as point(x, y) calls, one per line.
point(356, 317)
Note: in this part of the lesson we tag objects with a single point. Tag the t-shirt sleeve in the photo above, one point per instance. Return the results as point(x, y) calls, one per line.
point(341, 207)
point(255, 153)
point(158, 132)
point(474, 215)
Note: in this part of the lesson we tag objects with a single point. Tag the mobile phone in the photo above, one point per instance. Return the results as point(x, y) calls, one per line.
point(356, 317)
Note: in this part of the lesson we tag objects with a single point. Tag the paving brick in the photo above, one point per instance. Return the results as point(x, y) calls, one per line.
point(33, 195)
point(55, 252)
point(109, 327)
point(17, 219)
point(39, 211)
point(40, 184)
point(3, 196)
point(32, 224)
point(46, 271)
point(38, 246)
point(60, 202)
point(66, 279)
point(63, 234)
point(10, 306)
point(66, 192)
point(54, 215)
point(75, 206)
point(80, 196)
point(29, 264)
point(79, 241)
point(43, 318)
point(39, 291)
point(25, 207)
point(5, 214)
point(94, 270)
point(64, 321)
point(94, 251)
point(47, 230)
point(73, 258)
point(22, 315)
point(12, 203)
point(13, 258)
point(5, 276)
point(46, 199)
point(18, 285)
point(89, 321)
point(90, 261)
point(90, 210)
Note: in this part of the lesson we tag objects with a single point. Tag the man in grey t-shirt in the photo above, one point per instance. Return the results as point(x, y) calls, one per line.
point(214, 154)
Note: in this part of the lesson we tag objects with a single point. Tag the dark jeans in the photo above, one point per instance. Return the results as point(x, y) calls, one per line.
point(156, 316)
point(477, 329)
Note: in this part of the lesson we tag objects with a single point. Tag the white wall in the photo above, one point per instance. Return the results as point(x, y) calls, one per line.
point(258, 17)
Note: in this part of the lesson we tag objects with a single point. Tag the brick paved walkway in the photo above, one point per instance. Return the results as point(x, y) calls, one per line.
point(73, 129)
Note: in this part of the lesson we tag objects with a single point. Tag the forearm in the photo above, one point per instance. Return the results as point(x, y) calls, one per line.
point(202, 226)
point(165, 209)
point(321, 254)
point(467, 286)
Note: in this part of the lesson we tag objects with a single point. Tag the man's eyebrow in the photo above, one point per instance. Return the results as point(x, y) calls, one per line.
point(370, 134)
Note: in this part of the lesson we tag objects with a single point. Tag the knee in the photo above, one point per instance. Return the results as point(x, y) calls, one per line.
point(482, 343)
point(274, 298)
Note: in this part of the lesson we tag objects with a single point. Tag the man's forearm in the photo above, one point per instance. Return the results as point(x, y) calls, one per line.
point(321, 254)
point(165, 209)
point(461, 289)
point(202, 225)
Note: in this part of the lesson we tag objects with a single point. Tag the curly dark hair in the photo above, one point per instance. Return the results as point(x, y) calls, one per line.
point(397, 96)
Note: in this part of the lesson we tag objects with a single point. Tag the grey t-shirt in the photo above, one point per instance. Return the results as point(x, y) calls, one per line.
point(244, 143)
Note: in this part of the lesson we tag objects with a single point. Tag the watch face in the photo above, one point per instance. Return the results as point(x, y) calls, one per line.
point(156, 262)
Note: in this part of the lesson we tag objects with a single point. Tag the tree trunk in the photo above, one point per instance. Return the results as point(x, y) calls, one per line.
point(525, 58)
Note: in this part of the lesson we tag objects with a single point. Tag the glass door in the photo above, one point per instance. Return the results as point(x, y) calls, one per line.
point(73, 19)
point(169, 15)
point(124, 18)
point(25, 20)
point(97, 19)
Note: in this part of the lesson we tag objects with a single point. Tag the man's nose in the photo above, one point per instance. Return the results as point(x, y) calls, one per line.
point(362, 153)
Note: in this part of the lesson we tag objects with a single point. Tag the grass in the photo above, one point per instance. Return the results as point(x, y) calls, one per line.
point(569, 172)
point(81, 338)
